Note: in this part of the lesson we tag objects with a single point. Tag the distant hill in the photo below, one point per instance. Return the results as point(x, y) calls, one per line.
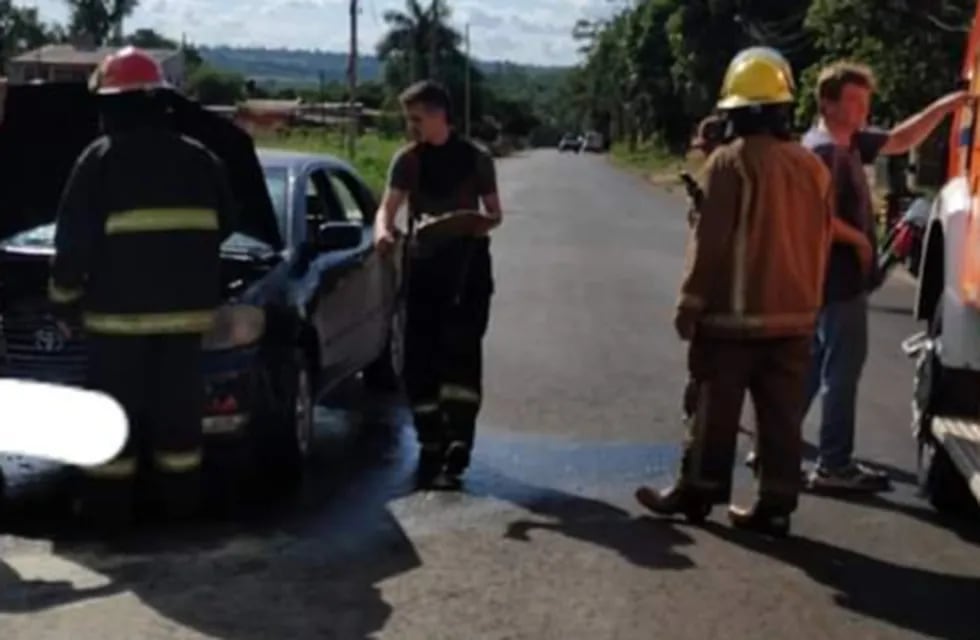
point(299, 67)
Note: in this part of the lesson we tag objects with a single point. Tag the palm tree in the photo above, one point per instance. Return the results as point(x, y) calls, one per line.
point(99, 20)
point(419, 38)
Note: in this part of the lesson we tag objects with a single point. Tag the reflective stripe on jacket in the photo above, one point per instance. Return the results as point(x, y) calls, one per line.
point(150, 220)
point(137, 324)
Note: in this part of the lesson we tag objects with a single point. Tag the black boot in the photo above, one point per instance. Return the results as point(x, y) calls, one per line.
point(457, 458)
point(675, 500)
point(179, 495)
point(767, 520)
point(105, 507)
point(430, 463)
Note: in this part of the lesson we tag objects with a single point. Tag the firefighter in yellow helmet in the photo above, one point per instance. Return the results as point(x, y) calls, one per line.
point(140, 223)
point(749, 299)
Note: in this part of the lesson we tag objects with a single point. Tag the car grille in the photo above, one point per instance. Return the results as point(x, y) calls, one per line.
point(32, 348)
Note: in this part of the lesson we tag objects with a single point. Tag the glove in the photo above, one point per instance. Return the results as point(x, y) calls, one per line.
point(685, 322)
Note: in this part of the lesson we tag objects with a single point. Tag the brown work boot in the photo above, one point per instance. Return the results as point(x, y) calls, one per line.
point(761, 519)
point(674, 500)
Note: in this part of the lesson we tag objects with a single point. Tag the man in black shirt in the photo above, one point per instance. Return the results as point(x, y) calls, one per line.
point(450, 285)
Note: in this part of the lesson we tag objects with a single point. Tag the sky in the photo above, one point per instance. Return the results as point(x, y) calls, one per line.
point(525, 31)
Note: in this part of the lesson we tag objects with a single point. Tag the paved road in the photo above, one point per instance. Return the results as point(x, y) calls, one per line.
point(584, 377)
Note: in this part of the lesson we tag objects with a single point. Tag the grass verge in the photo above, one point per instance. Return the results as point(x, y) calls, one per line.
point(371, 160)
point(655, 163)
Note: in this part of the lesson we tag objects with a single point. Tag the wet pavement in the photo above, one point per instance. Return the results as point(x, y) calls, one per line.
point(543, 540)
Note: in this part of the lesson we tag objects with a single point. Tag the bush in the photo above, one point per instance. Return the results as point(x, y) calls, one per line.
point(215, 87)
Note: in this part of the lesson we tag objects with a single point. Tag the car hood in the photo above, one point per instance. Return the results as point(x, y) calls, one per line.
point(46, 127)
point(40, 241)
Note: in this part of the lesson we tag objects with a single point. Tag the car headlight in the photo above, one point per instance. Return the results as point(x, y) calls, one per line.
point(235, 326)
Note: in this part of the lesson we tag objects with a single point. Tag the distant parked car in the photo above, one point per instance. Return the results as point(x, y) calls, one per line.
point(570, 142)
point(593, 142)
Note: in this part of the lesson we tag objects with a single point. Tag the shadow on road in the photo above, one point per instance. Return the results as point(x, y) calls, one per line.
point(966, 526)
point(641, 541)
point(24, 596)
point(297, 569)
point(934, 604)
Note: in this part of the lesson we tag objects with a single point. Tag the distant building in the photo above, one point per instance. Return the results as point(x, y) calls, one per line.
point(257, 116)
point(71, 63)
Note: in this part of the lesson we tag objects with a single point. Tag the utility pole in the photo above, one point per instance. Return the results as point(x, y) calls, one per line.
point(433, 35)
point(469, 64)
point(352, 84)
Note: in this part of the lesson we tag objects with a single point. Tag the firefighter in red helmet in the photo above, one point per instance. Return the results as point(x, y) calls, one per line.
point(138, 196)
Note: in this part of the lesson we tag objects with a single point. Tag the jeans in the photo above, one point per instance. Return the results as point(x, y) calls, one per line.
point(840, 348)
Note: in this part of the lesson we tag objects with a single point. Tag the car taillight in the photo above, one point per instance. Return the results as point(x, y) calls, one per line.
point(222, 405)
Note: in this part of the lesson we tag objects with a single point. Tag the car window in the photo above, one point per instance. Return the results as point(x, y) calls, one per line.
point(352, 210)
point(320, 206)
point(277, 183)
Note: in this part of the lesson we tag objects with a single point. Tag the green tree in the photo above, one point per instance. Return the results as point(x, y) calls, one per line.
point(915, 48)
point(654, 107)
point(704, 35)
point(150, 39)
point(21, 30)
point(99, 20)
point(420, 44)
point(418, 40)
point(212, 86)
point(655, 68)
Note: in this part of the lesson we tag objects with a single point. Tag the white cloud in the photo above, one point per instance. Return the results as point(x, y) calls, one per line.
point(529, 31)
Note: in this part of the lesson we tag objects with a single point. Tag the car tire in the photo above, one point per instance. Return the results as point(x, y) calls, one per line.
point(384, 375)
point(944, 392)
point(285, 440)
point(941, 482)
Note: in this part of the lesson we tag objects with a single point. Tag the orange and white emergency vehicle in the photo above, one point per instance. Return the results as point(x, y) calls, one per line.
point(946, 403)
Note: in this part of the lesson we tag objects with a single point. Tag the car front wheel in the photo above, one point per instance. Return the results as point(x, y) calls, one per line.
point(286, 433)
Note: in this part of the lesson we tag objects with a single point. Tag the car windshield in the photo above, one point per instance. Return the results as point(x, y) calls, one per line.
point(43, 238)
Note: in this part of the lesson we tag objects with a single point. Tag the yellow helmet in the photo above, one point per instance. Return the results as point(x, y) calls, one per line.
point(757, 76)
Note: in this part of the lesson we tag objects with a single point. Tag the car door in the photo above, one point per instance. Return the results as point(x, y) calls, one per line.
point(337, 276)
point(376, 280)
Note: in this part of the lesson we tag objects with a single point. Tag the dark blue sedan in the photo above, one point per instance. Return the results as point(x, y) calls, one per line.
point(308, 301)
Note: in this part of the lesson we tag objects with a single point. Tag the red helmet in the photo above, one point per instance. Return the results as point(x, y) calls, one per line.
point(129, 69)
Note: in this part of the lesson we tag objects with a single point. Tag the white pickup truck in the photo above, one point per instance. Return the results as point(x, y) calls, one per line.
point(946, 400)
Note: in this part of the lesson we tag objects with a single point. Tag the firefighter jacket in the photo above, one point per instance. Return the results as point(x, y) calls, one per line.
point(758, 249)
point(138, 235)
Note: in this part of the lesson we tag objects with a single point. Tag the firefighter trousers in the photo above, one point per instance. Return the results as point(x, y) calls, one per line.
point(773, 372)
point(158, 382)
point(447, 315)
